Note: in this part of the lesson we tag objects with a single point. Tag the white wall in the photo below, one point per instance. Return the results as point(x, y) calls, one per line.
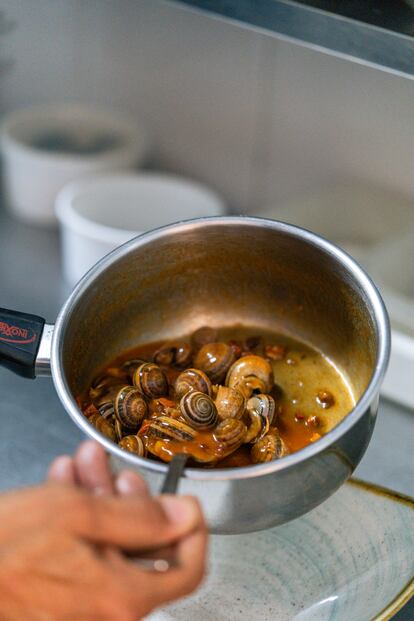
point(259, 119)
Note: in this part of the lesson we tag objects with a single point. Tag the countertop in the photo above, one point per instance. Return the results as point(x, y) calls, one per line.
point(35, 427)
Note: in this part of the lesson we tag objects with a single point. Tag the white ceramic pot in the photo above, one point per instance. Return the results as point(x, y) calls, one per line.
point(99, 213)
point(44, 148)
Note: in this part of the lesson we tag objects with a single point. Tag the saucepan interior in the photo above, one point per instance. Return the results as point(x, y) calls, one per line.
point(219, 272)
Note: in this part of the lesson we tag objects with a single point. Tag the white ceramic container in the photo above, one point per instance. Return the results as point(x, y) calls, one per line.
point(43, 148)
point(99, 213)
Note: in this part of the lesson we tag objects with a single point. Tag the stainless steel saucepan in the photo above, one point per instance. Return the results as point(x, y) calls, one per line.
point(221, 271)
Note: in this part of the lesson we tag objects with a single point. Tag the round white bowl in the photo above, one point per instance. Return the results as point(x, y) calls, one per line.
point(99, 213)
point(33, 173)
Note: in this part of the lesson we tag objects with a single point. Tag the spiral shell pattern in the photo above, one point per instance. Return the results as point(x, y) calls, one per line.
point(150, 380)
point(268, 448)
point(198, 410)
point(230, 434)
point(192, 379)
point(130, 408)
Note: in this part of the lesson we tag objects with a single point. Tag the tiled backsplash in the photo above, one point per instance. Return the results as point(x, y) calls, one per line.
point(259, 119)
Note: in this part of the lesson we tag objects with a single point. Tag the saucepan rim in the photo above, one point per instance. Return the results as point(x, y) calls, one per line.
point(380, 317)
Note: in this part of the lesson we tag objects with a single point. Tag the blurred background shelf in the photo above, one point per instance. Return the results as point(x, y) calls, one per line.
point(376, 32)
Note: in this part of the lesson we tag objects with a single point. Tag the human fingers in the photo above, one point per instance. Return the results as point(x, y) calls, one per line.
point(62, 470)
point(128, 483)
point(131, 523)
point(92, 468)
point(151, 589)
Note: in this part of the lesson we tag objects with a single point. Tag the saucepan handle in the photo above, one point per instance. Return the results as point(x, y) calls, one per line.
point(25, 343)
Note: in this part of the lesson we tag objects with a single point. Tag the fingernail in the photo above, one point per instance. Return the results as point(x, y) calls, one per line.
point(128, 483)
point(123, 486)
point(179, 510)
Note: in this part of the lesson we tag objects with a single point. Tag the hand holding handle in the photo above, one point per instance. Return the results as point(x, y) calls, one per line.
point(165, 558)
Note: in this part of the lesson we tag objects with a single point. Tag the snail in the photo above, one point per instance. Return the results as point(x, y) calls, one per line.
point(260, 410)
point(251, 374)
point(130, 366)
point(150, 380)
point(268, 448)
point(133, 444)
point(174, 353)
point(107, 410)
point(192, 379)
point(198, 410)
point(130, 408)
point(203, 336)
point(229, 434)
point(171, 429)
point(103, 426)
point(104, 389)
point(230, 402)
point(215, 359)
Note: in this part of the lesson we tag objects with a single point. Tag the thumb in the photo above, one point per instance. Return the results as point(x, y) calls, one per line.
point(133, 523)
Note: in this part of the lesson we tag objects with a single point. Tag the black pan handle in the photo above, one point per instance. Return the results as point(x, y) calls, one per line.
point(20, 336)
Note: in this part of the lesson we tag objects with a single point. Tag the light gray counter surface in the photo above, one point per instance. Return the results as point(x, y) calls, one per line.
point(35, 427)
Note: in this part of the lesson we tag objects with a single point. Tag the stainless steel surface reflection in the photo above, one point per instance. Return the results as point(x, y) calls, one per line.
point(222, 271)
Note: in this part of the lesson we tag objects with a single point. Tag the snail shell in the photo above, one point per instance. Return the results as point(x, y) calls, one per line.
point(260, 410)
point(149, 379)
point(107, 410)
point(118, 428)
point(249, 374)
point(103, 426)
point(198, 410)
point(192, 379)
point(203, 336)
point(168, 428)
point(270, 447)
point(257, 426)
point(104, 389)
point(230, 403)
point(215, 359)
point(174, 353)
point(133, 444)
point(130, 408)
point(263, 405)
point(130, 366)
point(230, 433)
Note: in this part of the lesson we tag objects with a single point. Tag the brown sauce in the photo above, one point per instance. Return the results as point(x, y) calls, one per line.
point(310, 395)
